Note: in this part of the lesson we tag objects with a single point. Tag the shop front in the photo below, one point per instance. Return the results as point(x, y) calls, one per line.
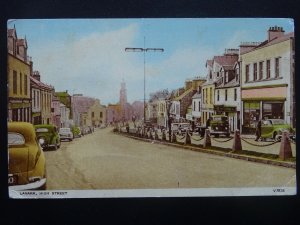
point(232, 114)
point(269, 103)
point(19, 110)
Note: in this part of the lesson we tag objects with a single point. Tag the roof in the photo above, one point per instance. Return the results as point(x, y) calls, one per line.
point(183, 94)
point(272, 42)
point(82, 103)
point(226, 60)
point(232, 83)
point(197, 95)
point(40, 84)
point(62, 94)
point(209, 62)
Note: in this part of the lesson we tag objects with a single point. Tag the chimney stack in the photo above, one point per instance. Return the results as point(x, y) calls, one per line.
point(275, 32)
point(36, 75)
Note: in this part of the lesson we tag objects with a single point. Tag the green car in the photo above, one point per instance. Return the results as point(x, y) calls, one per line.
point(219, 125)
point(273, 128)
point(47, 136)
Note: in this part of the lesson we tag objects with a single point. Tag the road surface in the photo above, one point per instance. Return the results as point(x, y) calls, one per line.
point(105, 160)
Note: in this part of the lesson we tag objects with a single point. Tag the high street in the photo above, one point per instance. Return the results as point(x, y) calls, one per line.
point(104, 160)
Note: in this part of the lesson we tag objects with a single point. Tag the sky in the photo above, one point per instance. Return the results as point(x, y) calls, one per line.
point(87, 56)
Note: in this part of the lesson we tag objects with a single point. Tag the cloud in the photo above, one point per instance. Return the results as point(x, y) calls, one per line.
point(93, 65)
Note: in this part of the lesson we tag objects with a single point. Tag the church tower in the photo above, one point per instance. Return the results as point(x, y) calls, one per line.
point(123, 94)
point(123, 101)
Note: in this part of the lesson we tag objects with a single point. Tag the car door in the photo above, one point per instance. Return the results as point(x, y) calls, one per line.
point(266, 129)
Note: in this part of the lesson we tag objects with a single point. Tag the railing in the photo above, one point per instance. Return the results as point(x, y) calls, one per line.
point(196, 139)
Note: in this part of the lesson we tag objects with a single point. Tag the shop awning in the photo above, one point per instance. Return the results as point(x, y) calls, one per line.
point(275, 93)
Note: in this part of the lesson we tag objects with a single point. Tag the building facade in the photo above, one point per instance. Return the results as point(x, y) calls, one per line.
point(19, 67)
point(267, 85)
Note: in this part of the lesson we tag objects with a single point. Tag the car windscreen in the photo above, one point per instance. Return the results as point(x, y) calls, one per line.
point(42, 130)
point(278, 121)
point(64, 130)
point(15, 139)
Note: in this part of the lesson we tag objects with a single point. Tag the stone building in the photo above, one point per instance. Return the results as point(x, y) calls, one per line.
point(19, 67)
point(41, 95)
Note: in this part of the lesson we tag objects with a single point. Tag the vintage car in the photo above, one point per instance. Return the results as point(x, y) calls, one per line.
point(47, 136)
point(273, 128)
point(26, 164)
point(219, 125)
point(65, 133)
point(76, 132)
point(180, 127)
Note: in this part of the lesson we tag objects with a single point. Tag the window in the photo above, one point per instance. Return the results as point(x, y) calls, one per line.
point(93, 114)
point(273, 110)
point(251, 114)
point(199, 106)
point(194, 106)
point(100, 114)
point(210, 75)
point(226, 95)
point(277, 67)
point(21, 86)
point(25, 85)
point(235, 94)
point(218, 95)
point(268, 69)
point(33, 99)
point(261, 69)
point(206, 95)
point(247, 73)
point(217, 74)
point(15, 82)
point(210, 96)
point(255, 71)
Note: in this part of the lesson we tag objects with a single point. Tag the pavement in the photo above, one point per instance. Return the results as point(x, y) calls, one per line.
point(249, 144)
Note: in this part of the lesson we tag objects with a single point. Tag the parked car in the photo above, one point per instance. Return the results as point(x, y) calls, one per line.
point(219, 125)
point(66, 134)
point(27, 163)
point(180, 127)
point(76, 132)
point(273, 128)
point(47, 136)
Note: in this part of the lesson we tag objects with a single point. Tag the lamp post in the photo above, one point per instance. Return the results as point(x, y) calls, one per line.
point(144, 50)
point(168, 106)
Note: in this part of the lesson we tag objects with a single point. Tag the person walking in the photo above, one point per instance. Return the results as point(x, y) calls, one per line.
point(258, 131)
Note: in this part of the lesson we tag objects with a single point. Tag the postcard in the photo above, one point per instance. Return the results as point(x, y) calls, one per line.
point(112, 108)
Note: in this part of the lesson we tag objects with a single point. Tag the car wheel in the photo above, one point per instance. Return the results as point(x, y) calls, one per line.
point(216, 135)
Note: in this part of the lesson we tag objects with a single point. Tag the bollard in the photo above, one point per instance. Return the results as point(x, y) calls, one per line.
point(237, 144)
point(187, 140)
point(164, 135)
point(285, 147)
point(207, 141)
point(151, 135)
point(155, 135)
point(173, 137)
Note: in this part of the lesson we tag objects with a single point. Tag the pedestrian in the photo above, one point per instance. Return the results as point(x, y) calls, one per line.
point(208, 122)
point(258, 131)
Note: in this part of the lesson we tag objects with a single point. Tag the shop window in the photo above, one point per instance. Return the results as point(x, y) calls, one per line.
point(251, 114)
point(273, 110)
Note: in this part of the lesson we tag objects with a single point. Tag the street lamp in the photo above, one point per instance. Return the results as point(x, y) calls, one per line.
point(144, 50)
point(168, 106)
